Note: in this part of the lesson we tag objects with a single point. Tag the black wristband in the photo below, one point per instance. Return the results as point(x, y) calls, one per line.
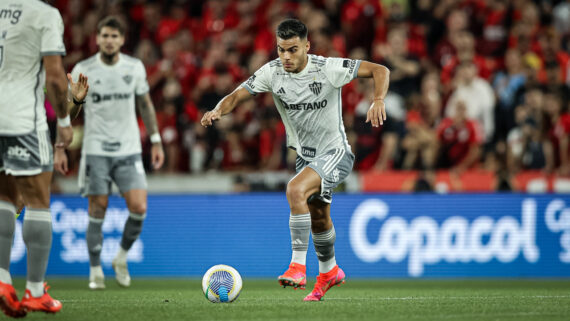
point(78, 102)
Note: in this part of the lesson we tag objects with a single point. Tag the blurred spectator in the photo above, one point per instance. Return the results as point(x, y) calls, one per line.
point(506, 84)
point(404, 67)
point(477, 96)
point(525, 146)
point(559, 132)
point(459, 139)
point(419, 145)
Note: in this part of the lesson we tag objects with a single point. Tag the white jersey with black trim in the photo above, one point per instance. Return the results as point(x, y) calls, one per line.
point(29, 30)
point(309, 102)
point(111, 127)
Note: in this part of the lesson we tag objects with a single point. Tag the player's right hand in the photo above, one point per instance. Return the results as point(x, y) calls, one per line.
point(60, 161)
point(64, 137)
point(210, 116)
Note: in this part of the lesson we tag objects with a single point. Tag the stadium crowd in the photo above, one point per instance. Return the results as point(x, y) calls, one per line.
point(474, 83)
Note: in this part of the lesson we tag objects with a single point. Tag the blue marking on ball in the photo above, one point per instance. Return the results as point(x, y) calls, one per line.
point(223, 292)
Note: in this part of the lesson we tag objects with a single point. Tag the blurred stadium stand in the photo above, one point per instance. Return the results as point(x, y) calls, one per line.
point(489, 78)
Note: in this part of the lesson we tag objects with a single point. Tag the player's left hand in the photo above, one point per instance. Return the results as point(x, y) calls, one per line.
point(157, 156)
point(80, 88)
point(60, 161)
point(376, 113)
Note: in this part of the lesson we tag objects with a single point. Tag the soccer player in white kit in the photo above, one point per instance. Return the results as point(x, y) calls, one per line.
point(31, 46)
point(306, 90)
point(111, 144)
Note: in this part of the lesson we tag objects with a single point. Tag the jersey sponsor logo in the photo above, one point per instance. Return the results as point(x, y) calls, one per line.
point(116, 96)
point(110, 146)
point(250, 81)
point(308, 151)
point(13, 15)
point(128, 79)
point(305, 106)
point(281, 91)
point(316, 87)
point(18, 152)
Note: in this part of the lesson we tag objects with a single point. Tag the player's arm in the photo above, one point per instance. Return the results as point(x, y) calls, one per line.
point(226, 105)
point(56, 91)
point(377, 112)
point(148, 115)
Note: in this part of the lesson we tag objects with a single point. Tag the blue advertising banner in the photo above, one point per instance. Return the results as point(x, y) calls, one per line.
point(427, 235)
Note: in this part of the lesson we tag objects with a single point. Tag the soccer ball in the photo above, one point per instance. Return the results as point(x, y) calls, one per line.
point(221, 284)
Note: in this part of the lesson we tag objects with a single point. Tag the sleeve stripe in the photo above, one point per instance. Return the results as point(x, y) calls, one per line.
point(355, 73)
point(249, 89)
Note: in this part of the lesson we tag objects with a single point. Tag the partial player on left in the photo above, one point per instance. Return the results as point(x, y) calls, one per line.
point(31, 46)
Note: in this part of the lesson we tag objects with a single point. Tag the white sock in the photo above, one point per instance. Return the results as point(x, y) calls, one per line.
point(121, 255)
point(5, 276)
point(299, 257)
point(326, 266)
point(96, 270)
point(36, 288)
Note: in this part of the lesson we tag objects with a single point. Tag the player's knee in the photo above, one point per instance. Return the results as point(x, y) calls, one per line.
point(295, 194)
point(97, 211)
point(139, 208)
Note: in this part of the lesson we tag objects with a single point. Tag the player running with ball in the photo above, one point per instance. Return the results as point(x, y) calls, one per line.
point(306, 90)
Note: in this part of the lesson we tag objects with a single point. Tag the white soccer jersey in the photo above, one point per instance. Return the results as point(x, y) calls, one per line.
point(309, 102)
point(29, 30)
point(111, 127)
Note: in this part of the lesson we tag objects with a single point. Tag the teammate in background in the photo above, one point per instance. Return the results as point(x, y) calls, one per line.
point(31, 46)
point(111, 144)
point(306, 90)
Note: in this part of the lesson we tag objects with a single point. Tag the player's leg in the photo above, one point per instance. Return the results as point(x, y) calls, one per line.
point(94, 235)
point(95, 183)
point(333, 168)
point(136, 203)
point(324, 237)
point(37, 234)
point(129, 175)
point(8, 194)
point(304, 184)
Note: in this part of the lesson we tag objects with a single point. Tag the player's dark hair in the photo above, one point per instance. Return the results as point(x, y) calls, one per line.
point(111, 22)
point(291, 28)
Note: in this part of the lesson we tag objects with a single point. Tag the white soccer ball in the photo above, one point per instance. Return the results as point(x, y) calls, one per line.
point(221, 284)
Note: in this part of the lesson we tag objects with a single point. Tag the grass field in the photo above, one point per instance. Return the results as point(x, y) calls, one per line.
point(357, 300)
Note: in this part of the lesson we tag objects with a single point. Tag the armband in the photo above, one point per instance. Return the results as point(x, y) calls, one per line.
point(155, 138)
point(64, 122)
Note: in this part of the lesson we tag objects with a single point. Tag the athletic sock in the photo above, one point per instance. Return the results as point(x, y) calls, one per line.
point(133, 228)
point(94, 238)
point(324, 246)
point(37, 234)
point(7, 228)
point(300, 226)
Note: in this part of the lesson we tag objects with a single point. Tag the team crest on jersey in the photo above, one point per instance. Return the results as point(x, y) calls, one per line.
point(128, 79)
point(316, 88)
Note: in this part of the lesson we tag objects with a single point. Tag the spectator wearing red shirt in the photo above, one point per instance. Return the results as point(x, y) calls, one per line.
point(359, 18)
point(459, 141)
point(559, 133)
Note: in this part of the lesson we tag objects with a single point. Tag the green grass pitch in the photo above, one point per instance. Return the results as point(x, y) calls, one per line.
point(357, 300)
